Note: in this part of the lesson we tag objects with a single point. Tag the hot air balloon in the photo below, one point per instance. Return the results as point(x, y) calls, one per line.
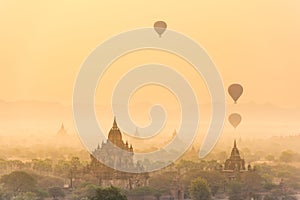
point(235, 91)
point(235, 119)
point(160, 27)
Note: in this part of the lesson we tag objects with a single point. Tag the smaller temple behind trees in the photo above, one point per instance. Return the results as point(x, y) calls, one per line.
point(235, 164)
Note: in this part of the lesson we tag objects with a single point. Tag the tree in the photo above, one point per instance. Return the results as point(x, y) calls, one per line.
point(26, 196)
point(287, 156)
point(252, 184)
point(68, 169)
point(271, 197)
point(111, 193)
point(270, 158)
point(144, 191)
point(3, 166)
point(42, 165)
point(56, 192)
point(75, 166)
point(41, 194)
point(18, 182)
point(236, 191)
point(86, 190)
point(199, 189)
point(164, 181)
point(45, 182)
point(62, 168)
point(215, 180)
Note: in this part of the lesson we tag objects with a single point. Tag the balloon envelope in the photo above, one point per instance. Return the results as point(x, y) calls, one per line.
point(160, 27)
point(235, 119)
point(235, 91)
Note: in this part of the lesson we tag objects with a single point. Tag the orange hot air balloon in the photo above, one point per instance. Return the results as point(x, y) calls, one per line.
point(235, 119)
point(160, 27)
point(235, 91)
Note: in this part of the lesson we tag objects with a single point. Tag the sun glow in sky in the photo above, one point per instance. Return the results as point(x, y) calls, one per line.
point(255, 43)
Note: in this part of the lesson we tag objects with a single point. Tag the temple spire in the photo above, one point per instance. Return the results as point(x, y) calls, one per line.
point(234, 144)
point(62, 131)
point(115, 125)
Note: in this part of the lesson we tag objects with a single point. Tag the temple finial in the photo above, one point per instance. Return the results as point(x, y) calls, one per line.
point(115, 123)
point(234, 143)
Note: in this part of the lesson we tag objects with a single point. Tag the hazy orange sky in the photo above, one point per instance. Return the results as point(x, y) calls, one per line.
point(256, 43)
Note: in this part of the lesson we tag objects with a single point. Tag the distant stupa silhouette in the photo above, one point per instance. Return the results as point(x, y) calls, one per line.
point(62, 131)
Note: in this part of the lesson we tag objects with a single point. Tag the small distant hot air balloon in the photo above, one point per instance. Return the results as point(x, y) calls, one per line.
point(235, 119)
point(235, 91)
point(160, 27)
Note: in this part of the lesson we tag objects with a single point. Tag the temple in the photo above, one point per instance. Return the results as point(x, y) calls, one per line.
point(116, 154)
point(234, 164)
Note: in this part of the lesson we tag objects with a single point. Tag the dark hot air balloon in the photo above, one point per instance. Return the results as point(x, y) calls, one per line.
point(235, 91)
point(235, 119)
point(160, 27)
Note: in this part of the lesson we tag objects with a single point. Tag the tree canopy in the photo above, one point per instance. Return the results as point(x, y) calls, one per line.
point(110, 193)
point(56, 192)
point(18, 181)
point(199, 189)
